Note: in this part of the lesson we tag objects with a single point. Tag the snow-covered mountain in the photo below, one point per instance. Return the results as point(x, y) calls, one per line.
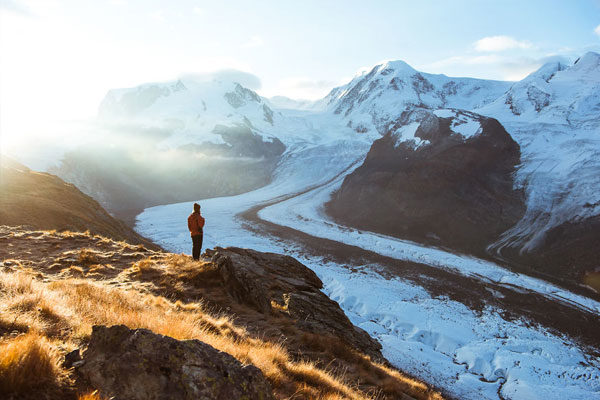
point(372, 100)
point(556, 93)
point(189, 110)
point(553, 115)
point(166, 142)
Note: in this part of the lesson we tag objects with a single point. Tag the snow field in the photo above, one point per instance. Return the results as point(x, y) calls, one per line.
point(472, 356)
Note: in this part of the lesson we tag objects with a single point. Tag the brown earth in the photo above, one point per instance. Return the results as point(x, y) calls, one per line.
point(39, 200)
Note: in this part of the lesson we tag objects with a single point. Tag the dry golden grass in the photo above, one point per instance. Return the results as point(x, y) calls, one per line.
point(27, 361)
point(87, 257)
point(56, 315)
point(91, 396)
point(72, 306)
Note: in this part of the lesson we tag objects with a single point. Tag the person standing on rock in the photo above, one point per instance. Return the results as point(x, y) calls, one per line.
point(195, 225)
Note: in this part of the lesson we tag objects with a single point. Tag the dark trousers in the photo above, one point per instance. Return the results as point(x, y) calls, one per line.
point(197, 246)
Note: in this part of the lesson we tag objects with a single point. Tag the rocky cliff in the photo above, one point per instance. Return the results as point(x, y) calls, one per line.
point(443, 177)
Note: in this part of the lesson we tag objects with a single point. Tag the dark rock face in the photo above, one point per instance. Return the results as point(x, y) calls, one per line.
point(257, 279)
point(241, 141)
point(567, 253)
point(139, 364)
point(442, 188)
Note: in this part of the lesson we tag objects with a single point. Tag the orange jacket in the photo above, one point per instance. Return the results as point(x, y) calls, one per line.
point(195, 224)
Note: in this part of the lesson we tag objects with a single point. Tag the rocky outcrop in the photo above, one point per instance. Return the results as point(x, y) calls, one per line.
point(442, 177)
point(138, 364)
point(267, 280)
point(241, 141)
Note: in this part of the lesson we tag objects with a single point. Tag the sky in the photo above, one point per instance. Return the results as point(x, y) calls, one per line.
point(58, 58)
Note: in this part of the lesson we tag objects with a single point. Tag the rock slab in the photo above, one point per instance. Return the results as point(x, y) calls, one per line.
point(132, 364)
point(259, 279)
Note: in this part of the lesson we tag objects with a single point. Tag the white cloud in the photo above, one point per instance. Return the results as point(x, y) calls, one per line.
point(198, 11)
point(255, 41)
point(500, 43)
point(302, 88)
point(245, 79)
point(597, 30)
point(492, 66)
point(15, 7)
point(158, 16)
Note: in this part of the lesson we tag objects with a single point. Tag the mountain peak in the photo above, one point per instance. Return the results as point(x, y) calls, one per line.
point(588, 63)
point(590, 55)
point(548, 69)
point(397, 66)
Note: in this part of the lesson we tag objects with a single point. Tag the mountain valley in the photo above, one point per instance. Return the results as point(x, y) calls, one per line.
point(454, 220)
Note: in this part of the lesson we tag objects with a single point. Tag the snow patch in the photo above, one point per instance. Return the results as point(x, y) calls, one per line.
point(444, 113)
point(465, 126)
point(406, 133)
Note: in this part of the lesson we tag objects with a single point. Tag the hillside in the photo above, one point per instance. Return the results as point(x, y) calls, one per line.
point(43, 201)
point(263, 309)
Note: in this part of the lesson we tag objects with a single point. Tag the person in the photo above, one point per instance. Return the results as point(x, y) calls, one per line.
point(196, 225)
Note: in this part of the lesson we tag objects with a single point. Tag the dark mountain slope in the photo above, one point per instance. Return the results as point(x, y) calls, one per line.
point(426, 181)
point(44, 201)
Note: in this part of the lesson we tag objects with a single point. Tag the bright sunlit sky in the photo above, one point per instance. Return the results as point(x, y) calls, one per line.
point(60, 57)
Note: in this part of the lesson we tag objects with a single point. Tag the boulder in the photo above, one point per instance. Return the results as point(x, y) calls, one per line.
point(131, 364)
point(259, 279)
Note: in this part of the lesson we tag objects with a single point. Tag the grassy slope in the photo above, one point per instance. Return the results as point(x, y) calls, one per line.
point(55, 286)
point(44, 201)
